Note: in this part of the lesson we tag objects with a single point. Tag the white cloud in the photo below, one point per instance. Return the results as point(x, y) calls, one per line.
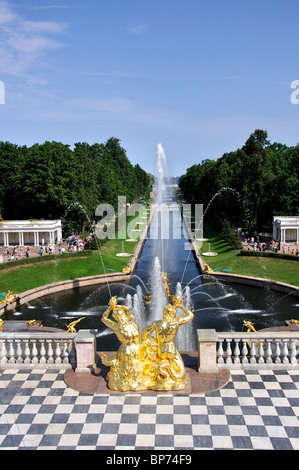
point(23, 41)
point(138, 29)
point(48, 7)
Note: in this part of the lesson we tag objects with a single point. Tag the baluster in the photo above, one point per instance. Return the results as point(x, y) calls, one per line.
point(27, 352)
point(293, 352)
point(252, 352)
point(277, 352)
point(58, 352)
point(237, 352)
point(72, 354)
point(50, 352)
point(261, 359)
point(11, 352)
point(228, 352)
point(65, 352)
point(19, 352)
point(244, 352)
point(268, 352)
point(42, 352)
point(4, 359)
point(285, 351)
point(220, 352)
point(34, 352)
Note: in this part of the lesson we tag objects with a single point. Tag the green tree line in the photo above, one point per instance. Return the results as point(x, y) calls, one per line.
point(44, 180)
point(253, 183)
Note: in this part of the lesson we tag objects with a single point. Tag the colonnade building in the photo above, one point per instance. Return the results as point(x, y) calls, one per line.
point(30, 232)
point(286, 229)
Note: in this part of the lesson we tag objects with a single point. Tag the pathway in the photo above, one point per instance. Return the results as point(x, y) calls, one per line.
point(255, 410)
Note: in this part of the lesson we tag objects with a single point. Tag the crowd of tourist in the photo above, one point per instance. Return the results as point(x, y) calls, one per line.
point(72, 244)
point(252, 243)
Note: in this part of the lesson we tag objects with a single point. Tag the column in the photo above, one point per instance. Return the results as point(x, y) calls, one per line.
point(85, 345)
point(21, 239)
point(36, 239)
point(6, 239)
point(207, 351)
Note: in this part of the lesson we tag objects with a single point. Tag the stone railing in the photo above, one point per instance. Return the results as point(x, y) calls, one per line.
point(240, 350)
point(47, 349)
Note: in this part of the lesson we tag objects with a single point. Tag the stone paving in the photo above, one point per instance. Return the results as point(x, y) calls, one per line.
point(255, 410)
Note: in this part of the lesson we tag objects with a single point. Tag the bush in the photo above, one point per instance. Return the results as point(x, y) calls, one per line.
point(268, 254)
point(231, 237)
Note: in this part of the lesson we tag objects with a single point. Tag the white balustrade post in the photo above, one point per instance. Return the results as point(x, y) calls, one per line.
point(293, 352)
point(19, 352)
point(11, 352)
point(34, 352)
point(237, 352)
point(3, 352)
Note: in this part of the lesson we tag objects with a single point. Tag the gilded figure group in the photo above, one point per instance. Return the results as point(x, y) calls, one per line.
point(152, 363)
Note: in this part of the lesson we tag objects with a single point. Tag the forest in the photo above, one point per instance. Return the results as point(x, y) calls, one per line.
point(246, 187)
point(51, 180)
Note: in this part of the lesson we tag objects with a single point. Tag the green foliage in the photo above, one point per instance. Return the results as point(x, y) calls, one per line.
point(51, 180)
point(231, 237)
point(262, 180)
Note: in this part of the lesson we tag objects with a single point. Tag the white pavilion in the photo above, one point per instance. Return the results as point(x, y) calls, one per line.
point(29, 232)
point(286, 229)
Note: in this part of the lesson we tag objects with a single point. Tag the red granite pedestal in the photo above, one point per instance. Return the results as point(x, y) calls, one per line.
point(96, 382)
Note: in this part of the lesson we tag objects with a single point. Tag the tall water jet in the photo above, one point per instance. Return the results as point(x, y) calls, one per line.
point(162, 173)
point(158, 300)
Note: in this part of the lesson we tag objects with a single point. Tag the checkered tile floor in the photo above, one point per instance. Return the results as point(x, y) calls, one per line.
point(256, 410)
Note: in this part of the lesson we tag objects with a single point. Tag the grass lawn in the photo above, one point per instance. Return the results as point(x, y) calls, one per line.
point(266, 268)
point(21, 277)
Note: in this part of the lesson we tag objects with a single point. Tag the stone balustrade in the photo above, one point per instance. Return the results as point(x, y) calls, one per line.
point(216, 350)
point(254, 350)
point(37, 349)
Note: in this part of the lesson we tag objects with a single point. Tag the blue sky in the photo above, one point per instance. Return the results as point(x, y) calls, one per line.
point(199, 76)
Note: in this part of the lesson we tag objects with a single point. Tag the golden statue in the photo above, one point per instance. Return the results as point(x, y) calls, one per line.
point(167, 368)
point(71, 327)
point(207, 268)
point(10, 297)
point(249, 326)
point(165, 285)
point(125, 369)
point(127, 269)
point(148, 298)
point(1, 325)
point(154, 363)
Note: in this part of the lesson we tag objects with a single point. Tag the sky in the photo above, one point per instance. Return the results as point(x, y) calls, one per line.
point(197, 76)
